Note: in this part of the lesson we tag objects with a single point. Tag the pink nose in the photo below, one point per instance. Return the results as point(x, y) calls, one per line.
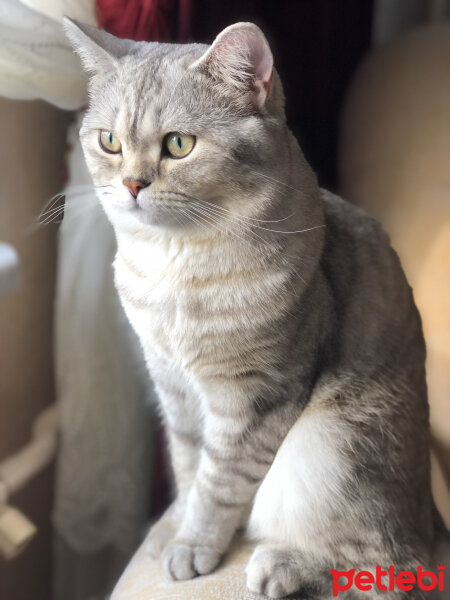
point(134, 185)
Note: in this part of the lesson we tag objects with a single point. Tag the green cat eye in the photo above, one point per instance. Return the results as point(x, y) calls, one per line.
point(109, 142)
point(179, 145)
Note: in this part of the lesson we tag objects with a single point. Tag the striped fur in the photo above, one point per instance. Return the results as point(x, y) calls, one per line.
point(275, 319)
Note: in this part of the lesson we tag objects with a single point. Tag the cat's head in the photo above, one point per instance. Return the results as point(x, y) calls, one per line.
point(180, 134)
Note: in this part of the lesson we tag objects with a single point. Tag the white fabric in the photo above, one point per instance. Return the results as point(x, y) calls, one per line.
point(36, 60)
point(81, 10)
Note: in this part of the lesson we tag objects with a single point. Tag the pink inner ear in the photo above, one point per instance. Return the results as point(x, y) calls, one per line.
point(261, 58)
point(241, 55)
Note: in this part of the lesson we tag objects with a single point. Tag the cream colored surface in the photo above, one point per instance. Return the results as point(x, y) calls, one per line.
point(143, 580)
point(395, 149)
point(394, 159)
point(16, 531)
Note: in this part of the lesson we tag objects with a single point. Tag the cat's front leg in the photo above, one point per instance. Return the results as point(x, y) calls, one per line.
point(240, 442)
point(183, 431)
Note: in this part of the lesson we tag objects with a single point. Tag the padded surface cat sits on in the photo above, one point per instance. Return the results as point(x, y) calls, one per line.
point(142, 579)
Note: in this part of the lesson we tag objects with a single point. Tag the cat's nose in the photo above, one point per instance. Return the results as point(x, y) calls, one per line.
point(134, 185)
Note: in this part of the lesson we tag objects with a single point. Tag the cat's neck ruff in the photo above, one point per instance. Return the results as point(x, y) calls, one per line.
point(186, 259)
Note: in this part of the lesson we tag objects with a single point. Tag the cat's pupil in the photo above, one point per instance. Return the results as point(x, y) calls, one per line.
point(110, 138)
point(179, 142)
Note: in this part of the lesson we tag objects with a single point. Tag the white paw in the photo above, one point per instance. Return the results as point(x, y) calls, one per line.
point(273, 572)
point(185, 561)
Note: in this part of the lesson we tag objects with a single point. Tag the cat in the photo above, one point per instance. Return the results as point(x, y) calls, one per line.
point(275, 319)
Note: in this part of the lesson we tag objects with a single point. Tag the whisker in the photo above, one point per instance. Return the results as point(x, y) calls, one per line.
point(289, 286)
point(227, 211)
point(257, 238)
point(216, 224)
point(277, 181)
point(189, 215)
point(227, 231)
point(177, 214)
point(70, 188)
point(50, 214)
point(252, 234)
point(51, 203)
point(238, 218)
point(47, 219)
point(219, 223)
point(54, 214)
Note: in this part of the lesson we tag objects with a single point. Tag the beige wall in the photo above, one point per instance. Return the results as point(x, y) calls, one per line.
point(394, 161)
point(32, 152)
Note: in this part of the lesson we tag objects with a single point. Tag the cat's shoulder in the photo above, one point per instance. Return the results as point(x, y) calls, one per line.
point(344, 219)
point(357, 250)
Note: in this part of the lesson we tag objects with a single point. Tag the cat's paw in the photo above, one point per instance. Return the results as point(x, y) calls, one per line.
point(163, 531)
point(184, 561)
point(273, 572)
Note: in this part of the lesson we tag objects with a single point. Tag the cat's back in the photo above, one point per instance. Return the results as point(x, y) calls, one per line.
point(375, 312)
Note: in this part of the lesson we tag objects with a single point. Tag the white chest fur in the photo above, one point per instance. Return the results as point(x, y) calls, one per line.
point(197, 305)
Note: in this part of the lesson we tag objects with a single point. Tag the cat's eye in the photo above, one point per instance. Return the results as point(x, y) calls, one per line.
point(109, 142)
point(179, 145)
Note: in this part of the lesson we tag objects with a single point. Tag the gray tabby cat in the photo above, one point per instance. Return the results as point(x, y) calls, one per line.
point(275, 319)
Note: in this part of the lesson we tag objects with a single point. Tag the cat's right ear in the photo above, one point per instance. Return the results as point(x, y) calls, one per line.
point(240, 57)
point(98, 50)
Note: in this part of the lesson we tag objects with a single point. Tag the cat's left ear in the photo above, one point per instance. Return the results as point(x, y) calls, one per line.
point(240, 56)
point(98, 50)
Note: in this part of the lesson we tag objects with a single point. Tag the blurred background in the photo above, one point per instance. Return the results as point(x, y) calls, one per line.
point(367, 86)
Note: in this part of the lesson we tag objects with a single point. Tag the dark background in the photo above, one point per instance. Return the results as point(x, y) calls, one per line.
point(317, 45)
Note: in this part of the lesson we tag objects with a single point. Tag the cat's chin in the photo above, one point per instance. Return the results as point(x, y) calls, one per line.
point(158, 216)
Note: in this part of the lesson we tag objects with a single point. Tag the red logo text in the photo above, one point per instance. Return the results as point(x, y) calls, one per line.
point(388, 580)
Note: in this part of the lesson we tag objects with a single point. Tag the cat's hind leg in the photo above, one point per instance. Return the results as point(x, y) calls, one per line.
point(332, 500)
point(296, 503)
